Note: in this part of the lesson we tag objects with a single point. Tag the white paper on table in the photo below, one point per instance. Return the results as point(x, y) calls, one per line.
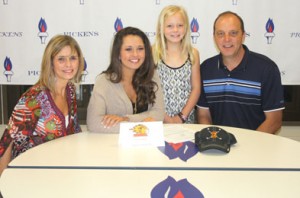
point(133, 134)
point(178, 133)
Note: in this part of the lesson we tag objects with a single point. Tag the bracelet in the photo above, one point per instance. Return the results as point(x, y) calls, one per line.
point(182, 117)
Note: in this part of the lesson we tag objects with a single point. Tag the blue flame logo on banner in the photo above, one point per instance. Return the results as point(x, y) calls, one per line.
point(194, 30)
point(5, 2)
point(157, 2)
point(234, 2)
point(8, 69)
point(118, 24)
point(270, 31)
point(43, 30)
point(81, 2)
point(84, 72)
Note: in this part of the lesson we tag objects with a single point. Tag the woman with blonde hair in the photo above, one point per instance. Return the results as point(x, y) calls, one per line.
point(47, 110)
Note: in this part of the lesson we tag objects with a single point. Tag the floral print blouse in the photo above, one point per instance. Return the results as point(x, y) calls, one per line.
point(36, 119)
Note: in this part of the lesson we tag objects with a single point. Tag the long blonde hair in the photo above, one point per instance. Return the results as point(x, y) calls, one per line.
point(159, 47)
point(55, 45)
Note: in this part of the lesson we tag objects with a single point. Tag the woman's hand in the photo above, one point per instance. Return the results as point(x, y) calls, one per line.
point(112, 120)
point(149, 119)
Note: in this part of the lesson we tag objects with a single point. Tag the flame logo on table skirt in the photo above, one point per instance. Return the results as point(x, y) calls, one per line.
point(175, 189)
point(183, 150)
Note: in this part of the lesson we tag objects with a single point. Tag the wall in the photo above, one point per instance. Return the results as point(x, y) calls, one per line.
point(272, 28)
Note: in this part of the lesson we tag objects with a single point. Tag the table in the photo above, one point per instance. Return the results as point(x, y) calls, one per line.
point(93, 165)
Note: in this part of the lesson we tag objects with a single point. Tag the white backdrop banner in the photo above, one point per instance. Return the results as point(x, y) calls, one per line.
point(26, 27)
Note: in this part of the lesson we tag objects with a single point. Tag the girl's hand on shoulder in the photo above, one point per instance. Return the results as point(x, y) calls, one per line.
point(112, 120)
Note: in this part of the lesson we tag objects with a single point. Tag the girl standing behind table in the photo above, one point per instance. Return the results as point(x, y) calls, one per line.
point(47, 110)
point(129, 89)
point(178, 65)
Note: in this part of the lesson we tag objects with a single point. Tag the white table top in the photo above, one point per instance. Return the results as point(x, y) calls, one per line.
point(253, 150)
point(94, 165)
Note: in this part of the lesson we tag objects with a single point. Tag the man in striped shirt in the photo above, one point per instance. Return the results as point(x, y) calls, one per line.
point(240, 88)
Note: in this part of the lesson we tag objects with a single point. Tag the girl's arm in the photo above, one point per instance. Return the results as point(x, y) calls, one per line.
point(196, 85)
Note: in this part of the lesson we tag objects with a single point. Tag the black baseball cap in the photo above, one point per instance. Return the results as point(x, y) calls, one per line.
point(214, 137)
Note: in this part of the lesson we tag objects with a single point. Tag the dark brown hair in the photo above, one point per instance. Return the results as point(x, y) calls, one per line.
point(142, 81)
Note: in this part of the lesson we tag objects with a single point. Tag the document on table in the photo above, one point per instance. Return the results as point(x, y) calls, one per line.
point(178, 133)
point(133, 134)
